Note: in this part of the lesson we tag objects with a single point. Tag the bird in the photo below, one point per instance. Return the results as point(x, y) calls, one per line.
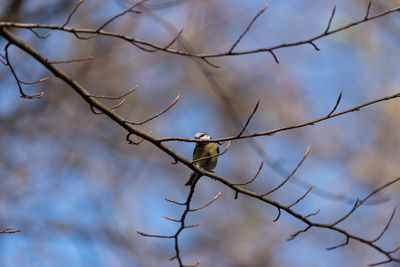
point(203, 150)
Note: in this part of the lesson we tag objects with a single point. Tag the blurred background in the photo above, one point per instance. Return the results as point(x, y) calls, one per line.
point(80, 192)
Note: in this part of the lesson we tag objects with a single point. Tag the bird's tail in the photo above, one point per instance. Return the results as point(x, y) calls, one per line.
point(193, 178)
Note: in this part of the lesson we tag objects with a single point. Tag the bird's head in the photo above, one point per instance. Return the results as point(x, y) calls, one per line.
point(202, 136)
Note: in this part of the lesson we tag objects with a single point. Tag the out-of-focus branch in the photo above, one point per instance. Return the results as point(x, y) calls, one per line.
point(10, 230)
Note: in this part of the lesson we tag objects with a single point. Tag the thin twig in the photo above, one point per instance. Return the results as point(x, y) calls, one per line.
point(250, 117)
point(10, 230)
point(302, 197)
point(312, 214)
point(72, 13)
point(71, 60)
point(340, 245)
point(35, 82)
point(23, 95)
point(156, 236)
point(116, 97)
point(368, 8)
point(248, 27)
point(387, 225)
point(157, 115)
point(207, 204)
point(129, 10)
point(290, 175)
point(112, 108)
point(254, 177)
point(330, 20)
point(336, 105)
point(38, 35)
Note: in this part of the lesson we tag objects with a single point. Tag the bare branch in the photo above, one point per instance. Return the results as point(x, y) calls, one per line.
point(250, 117)
point(157, 115)
point(387, 224)
point(254, 177)
point(330, 20)
point(314, 45)
point(171, 219)
point(23, 95)
point(71, 60)
point(312, 214)
point(336, 105)
point(302, 197)
point(10, 230)
point(129, 10)
point(248, 27)
point(207, 204)
point(209, 63)
point(116, 97)
point(368, 8)
point(279, 215)
point(38, 35)
point(340, 245)
point(35, 82)
point(291, 174)
point(273, 54)
point(192, 225)
point(139, 139)
point(291, 127)
point(293, 236)
point(355, 206)
point(175, 202)
point(112, 108)
point(156, 236)
point(72, 13)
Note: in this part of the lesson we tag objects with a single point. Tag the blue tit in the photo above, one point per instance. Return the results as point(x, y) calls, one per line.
point(202, 150)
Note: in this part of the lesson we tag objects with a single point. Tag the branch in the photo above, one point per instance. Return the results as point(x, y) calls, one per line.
point(291, 174)
point(71, 60)
point(207, 204)
point(254, 177)
point(248, 120)
point(157, 115)
point(290, 127)
point(248, 27)
point(72, 13)
point(330, 20)
point(10, 230)
point(116, 97)
point(387, 224)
